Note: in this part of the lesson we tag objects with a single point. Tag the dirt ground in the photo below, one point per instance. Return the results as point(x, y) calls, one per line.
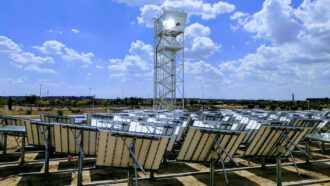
point(9, 174)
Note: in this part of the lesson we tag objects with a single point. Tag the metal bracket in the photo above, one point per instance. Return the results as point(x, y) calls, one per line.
point(76, 140)
point(293, 161)
point(220, 146)
point(43, 136)
point(133, 155)
point(289, 140)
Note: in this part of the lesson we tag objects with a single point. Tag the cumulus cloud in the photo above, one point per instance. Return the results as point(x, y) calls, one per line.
point(201, 47)
point(238, 15)
point(197, 44)
point(192, 7)
point(68, 54)
point(298, 51)
point(196, 30)
point(26, 60)
point(137, 63)
point(76, 31)
point(50, 47)
point(8, 46)
point(73, 56)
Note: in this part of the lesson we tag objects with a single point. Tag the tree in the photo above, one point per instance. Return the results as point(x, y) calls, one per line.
point(10, 103)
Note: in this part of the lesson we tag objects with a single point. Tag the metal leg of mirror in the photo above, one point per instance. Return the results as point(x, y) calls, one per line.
point(278, 171)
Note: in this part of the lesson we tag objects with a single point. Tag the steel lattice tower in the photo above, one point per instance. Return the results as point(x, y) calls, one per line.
point(169, 60)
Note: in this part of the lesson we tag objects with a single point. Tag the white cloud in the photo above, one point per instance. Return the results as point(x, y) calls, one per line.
point(297, 55)
point(20, 80)
point(36, 68)
point(24, 58)
point(67, 54)
point(148, 13)
point(192, 7)
point(201, 47)
point(237, 15)
point(196, 30)
point(137, 63)
point(275, 22)
point(50, 47)
point(73, 56)
point(197, 44)
point(99, 66)
point(7, 45)
point(54, 31)
point(75, 30)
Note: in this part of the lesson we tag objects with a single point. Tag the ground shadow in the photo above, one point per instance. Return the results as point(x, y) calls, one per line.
point(16, 169)
point(52, 179)
point(171, 168)
point(107, 174)
point(74, 164)
point(233, 178)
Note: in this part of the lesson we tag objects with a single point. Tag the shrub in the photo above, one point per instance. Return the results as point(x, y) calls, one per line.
point(28, 112)
point(250, 106)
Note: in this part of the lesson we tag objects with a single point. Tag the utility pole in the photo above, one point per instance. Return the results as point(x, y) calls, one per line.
point(90, 89)
point(39, 96)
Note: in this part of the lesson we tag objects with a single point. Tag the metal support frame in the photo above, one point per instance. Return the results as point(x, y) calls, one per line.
point(289, 140)
point(278, 171)
point(46, 142)
point(131, 150)
point(4, 148)
point(293, 161)
point(218, 142)
point(81, 155)
point(22, 149)
point(307, 151)
point(290, 152)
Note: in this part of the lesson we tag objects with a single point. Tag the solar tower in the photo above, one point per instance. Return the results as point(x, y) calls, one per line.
point(169, 60)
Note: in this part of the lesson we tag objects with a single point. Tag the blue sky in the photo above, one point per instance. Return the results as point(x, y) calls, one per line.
point(234, 49)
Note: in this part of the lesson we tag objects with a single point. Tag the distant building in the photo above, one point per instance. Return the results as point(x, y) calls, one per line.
point(321, 100)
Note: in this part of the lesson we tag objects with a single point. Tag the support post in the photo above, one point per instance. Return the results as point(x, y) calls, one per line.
point(152, 176)
point(47, 153)
point(323, 147)
point(278, 171)
point(130, 175)
point(293, 161)
point(81, 155)
point(4, 150)
point(23, 149)
point(80, 167)
point(263, 163)
point(307, 151)
point(212, 172)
